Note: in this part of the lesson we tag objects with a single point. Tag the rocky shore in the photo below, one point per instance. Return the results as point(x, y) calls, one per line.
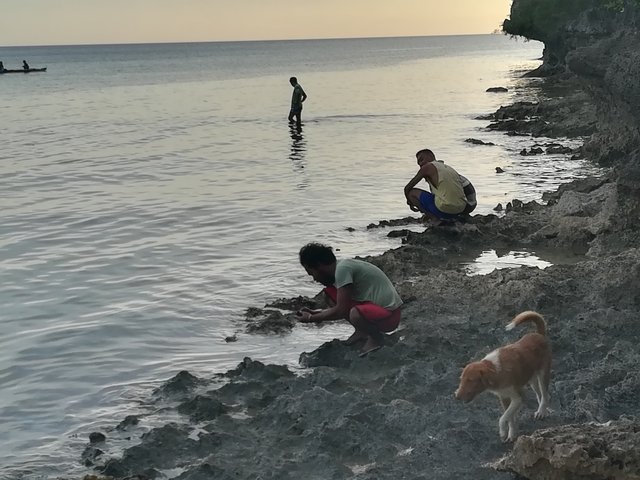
point(392, 414)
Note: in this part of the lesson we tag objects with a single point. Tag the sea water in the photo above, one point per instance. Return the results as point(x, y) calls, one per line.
point(151, 193)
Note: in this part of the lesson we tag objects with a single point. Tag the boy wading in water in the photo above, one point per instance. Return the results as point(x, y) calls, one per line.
point(297, 98)
point(360, 293)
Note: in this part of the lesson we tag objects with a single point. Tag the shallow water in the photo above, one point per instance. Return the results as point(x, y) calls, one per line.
point(151, 193)
point(490, 260)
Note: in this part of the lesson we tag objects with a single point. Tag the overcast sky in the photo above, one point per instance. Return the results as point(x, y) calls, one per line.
point(59, 22)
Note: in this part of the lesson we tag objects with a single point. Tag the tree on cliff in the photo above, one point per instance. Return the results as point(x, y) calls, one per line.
point(541, 19)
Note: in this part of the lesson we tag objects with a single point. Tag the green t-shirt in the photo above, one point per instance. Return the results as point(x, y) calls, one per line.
point(370, 284)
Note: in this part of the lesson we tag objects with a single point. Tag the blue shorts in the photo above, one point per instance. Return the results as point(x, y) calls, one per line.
point(427, 201)
point(296, 110)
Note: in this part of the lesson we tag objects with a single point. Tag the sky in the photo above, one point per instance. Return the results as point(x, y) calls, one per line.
point(66, 22)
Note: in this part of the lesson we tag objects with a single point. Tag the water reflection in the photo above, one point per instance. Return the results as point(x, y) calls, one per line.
point(298, 152)
point(298, 146)
point(492, 260)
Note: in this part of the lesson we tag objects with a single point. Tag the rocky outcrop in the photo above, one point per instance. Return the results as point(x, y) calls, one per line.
point(599, 43)
point(578, 452)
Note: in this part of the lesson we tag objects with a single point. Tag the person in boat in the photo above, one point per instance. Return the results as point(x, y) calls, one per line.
point(452, 196)
point(297, 98)
point(357, 291)
point(25, 65)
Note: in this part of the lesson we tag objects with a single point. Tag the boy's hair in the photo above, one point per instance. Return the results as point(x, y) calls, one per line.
point(293, 80)
point(425, 151)
point(314, 254)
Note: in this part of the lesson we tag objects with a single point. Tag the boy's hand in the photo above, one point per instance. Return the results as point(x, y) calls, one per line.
point(304, 316)
point(307, 309)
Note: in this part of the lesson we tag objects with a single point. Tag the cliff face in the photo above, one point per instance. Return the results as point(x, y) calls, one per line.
point(598, 42)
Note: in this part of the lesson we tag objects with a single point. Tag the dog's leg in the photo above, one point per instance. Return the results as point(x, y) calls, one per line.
point(543, 385)
point(502, 423)
point(534, 384)
point(507, 423)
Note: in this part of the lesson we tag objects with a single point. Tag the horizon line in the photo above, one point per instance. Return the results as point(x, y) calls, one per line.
point(246, 41)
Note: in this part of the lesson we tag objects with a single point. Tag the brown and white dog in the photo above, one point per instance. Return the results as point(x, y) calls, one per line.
point(508, 369)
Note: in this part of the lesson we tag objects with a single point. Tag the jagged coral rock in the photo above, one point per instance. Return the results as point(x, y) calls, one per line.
point(578, 452)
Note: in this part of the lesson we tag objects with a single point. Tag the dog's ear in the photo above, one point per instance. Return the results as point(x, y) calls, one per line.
point(488, 377)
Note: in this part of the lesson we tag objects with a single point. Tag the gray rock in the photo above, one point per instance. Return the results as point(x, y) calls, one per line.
point(608, 450)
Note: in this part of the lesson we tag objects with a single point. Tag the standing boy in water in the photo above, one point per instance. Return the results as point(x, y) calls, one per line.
point(297, 98)
point(360, 293)
point(451, 194)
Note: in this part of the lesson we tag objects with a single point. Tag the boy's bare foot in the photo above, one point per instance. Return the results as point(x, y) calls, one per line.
point(355, 338)
point(370, 346)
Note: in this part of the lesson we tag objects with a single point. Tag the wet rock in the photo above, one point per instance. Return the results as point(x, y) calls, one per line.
point(333, 354)
point(96, 437)
point(571, 116)
point(202, 408)
point(181, 384)
point(531, 151)
point(268, 321)
point(498, 208)
point(90, 455)
point(497, 89)
point(518, 206)
point(292, 304)
point(475, 141)
point(395, 223)
point(206, 471)
point(499, 170)
point(595, 450)
point(559, 149)
point(398, 233)
point(129, 421)
point(253, 369)
point(231, 339)
point(161, 448)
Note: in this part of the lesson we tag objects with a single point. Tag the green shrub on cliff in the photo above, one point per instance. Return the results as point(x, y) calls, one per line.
point(541, 19)
point(538, 19)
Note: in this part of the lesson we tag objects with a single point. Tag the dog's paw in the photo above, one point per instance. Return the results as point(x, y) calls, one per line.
point(541, 413)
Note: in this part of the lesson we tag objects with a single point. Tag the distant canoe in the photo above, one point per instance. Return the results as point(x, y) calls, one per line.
point(22, 70)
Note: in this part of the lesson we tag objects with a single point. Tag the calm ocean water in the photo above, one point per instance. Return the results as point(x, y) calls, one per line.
point(151, 193)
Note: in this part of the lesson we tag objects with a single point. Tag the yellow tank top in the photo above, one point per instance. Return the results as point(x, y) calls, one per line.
point(449, 194)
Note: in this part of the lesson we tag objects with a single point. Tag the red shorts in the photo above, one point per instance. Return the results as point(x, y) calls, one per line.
point(385, 320)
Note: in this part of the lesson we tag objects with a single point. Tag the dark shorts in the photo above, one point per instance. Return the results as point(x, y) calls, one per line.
point(469, 208)
point(428, 203)
point(296, 110)
point(385, 320)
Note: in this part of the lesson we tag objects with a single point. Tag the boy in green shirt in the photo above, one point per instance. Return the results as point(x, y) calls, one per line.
point(360, 291)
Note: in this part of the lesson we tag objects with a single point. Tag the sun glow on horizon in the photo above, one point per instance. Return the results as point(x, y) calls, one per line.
point(160, 21)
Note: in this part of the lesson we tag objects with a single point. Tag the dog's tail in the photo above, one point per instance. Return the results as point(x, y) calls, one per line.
point(529, 316)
